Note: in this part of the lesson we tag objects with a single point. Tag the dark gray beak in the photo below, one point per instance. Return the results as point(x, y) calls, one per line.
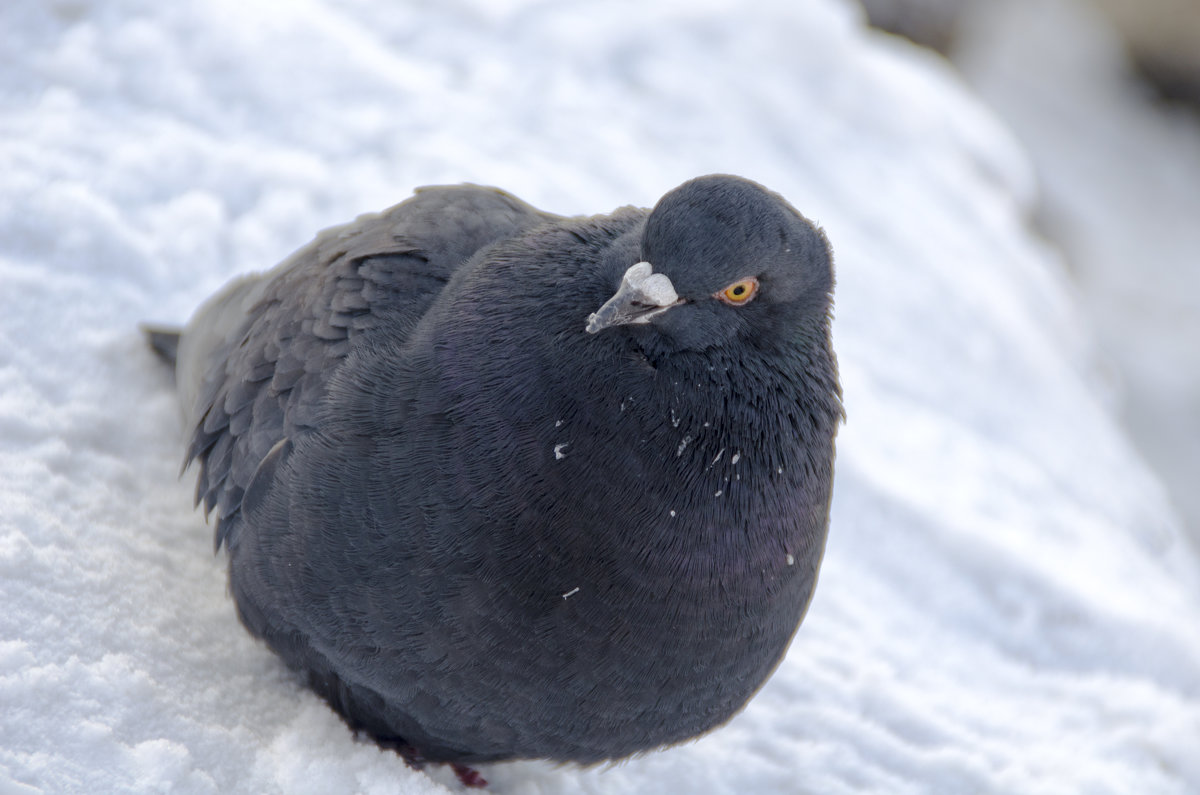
point(642, 296)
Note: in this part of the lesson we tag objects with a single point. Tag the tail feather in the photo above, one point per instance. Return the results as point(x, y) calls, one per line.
point(164, 340)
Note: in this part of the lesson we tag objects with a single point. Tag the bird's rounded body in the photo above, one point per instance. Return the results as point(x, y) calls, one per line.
point(483, 531)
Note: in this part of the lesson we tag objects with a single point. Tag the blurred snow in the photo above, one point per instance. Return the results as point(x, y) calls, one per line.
point(1120, 176)
point(1007, 604)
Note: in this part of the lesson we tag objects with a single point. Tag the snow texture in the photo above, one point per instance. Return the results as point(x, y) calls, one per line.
point(1007, 603)
point(1123, 197)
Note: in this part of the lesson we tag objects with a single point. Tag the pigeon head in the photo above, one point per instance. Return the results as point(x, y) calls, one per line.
point(721, 257)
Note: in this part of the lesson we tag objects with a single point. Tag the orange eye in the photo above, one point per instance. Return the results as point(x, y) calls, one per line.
point(739, 292)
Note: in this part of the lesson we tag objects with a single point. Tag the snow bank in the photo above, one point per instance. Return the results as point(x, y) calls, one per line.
point(1006, 604)
point(1121, 181)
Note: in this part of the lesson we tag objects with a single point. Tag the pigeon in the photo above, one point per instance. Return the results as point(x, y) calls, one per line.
point(503, 484)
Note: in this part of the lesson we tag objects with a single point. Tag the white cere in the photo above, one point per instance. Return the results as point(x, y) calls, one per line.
point(558, 451)
point(656, 287)
point(575, 590)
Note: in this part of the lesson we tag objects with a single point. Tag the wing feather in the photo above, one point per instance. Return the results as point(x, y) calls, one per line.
point(254, 363)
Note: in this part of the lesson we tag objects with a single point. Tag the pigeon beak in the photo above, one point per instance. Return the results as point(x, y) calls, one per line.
point(642, 296)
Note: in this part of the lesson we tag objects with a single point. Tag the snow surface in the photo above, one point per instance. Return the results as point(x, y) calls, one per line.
point(1121, 187)
point(1007, 603)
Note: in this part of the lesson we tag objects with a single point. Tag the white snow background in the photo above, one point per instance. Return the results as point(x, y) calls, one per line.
point(1007, 604)
point(1120, 190)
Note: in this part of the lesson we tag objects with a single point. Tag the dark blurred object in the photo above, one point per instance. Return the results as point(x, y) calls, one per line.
point(1162, 36)
point(931, 23)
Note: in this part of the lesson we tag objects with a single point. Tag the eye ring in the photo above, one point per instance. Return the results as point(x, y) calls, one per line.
point(739, 292)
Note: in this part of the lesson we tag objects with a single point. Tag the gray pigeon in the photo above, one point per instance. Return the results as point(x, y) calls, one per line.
point(504, 484)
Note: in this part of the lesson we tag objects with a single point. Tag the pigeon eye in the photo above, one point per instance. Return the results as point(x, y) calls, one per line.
point(739, 292)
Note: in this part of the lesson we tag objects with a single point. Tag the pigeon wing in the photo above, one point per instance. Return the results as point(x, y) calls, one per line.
point(254, 363)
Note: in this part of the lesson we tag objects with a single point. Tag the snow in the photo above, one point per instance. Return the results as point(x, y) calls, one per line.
point(1008, 603)
point(1122, 196)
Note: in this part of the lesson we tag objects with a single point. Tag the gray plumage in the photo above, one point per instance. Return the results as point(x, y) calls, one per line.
point(497, 492)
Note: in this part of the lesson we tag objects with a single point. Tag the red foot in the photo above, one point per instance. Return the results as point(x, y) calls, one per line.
point(468, 776)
